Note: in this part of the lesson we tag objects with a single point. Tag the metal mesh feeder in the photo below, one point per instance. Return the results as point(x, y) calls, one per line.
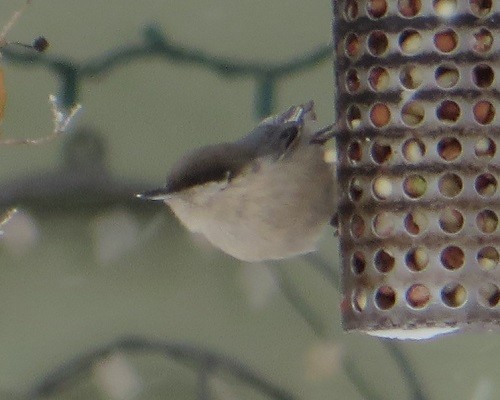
point(418, 106)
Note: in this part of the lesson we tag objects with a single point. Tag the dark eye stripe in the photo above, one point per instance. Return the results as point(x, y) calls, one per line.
point(199, 177)
point(289, 135)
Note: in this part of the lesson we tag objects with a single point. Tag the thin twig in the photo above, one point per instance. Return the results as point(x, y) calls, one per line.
point(204, 373)
point(410, 377)
point(11, 22)
point(298, 302)
point(61, 120)
point(358, 379)
point(416, 390)
point(198, 356)
point(6, 217)
point(324, 268)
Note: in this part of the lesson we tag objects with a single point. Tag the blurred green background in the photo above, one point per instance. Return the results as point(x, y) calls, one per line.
point(73, 278)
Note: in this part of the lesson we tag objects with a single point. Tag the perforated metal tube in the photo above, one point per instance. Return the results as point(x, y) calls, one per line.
point(418, 105)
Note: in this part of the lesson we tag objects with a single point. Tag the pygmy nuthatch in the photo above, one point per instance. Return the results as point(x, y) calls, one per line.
point(266, 196)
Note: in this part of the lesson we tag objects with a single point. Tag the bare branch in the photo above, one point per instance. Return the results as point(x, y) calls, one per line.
point(61, 119)
point(11, 22)
point(6, 217)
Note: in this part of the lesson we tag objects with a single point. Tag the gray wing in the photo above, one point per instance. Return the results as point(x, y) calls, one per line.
point(271, 139)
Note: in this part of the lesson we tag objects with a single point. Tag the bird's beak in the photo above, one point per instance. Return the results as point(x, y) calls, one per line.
point(156, 194)
point(324, 135)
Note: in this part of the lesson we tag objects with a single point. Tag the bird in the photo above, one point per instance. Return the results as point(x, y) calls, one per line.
point(266, 196)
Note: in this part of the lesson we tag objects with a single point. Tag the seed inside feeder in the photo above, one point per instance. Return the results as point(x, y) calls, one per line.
point(355, 189)
point(488, 258)
point(382, 187)
point(446, 76)
point(417, 258)
point(354, 152)
point(352, 45)
point(378, 43)
point(446, 41)
point(411, 77)
point(409, 8)
point(381, 153)
point(376, 8)
point(351, 10)
point(410, 41)
point(450, 185)
point(449, 148)
point(378, 79)
point(383, 224)
point(454, 295)
point(444, 8)
point(359, 300)
point(352, 80)
point(451, 220)
point(484, 112)
point(480, 8)
point(486, 185)
point(414, 186)
point(358, 262)
point(483, 75)
point(415, 223)
point(485, 148)
point(357, 226)
point(452, 257)
point(418, 296)
point(448, 111)
point(353, 117)
point(380, 115)
point(385, 297)
point(413, 150)
point(482, 41)
point(384, 261)
point(487, 221)
point(412, 113)
point(489, 295)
